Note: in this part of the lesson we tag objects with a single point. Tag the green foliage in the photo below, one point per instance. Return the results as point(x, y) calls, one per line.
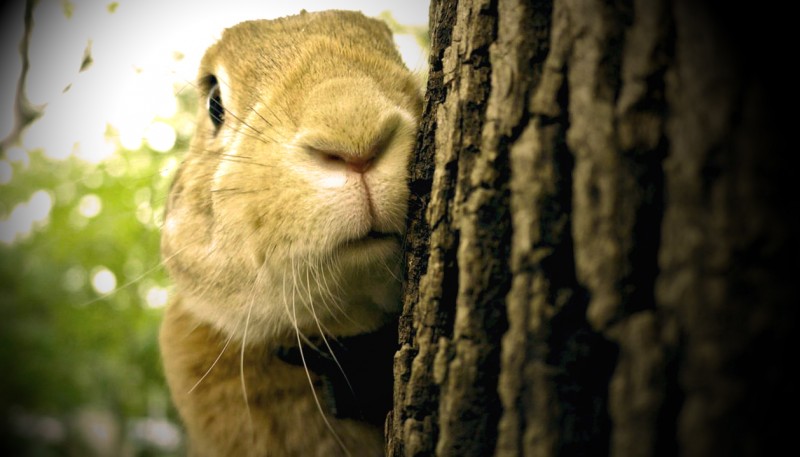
point(64, 346)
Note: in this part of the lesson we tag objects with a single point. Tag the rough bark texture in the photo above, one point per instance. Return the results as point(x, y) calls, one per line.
point(601, 247)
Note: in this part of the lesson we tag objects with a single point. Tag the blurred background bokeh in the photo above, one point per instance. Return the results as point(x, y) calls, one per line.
point(89, 144)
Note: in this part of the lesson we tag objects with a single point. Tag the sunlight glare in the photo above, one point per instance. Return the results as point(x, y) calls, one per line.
point(149, 96)
point(95, 149)
point(103, 280)
point(90, 206)
point(131, 136)
point(160, 136)
point(156, 297)
point(144, 213)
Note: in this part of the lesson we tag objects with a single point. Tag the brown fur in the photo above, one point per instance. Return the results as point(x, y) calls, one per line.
point(285, 418)
point(270, 233)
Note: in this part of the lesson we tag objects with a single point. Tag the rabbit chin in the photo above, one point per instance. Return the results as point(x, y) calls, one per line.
point(354, 290)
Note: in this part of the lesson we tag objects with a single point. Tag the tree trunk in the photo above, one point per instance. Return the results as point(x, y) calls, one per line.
point(600, 247)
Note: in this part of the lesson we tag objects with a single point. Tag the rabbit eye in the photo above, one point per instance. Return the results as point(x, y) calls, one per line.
point(214, 105)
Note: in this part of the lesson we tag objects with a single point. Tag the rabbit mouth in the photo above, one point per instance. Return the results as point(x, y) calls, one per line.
point(370, 238)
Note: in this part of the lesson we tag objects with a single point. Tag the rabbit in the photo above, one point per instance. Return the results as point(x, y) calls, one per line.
point(283, 236)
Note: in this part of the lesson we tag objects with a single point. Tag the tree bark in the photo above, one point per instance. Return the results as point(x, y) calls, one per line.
point(600, 248)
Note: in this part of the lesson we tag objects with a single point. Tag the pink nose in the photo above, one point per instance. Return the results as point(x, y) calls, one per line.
point(357, 164)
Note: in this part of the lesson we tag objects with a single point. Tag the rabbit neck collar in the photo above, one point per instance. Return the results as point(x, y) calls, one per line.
point(355, 372)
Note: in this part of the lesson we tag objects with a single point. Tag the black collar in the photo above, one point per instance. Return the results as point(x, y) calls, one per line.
point(367, 361)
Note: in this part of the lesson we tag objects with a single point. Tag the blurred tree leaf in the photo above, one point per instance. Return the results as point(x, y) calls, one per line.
point(68, 8)
point(87, 57)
